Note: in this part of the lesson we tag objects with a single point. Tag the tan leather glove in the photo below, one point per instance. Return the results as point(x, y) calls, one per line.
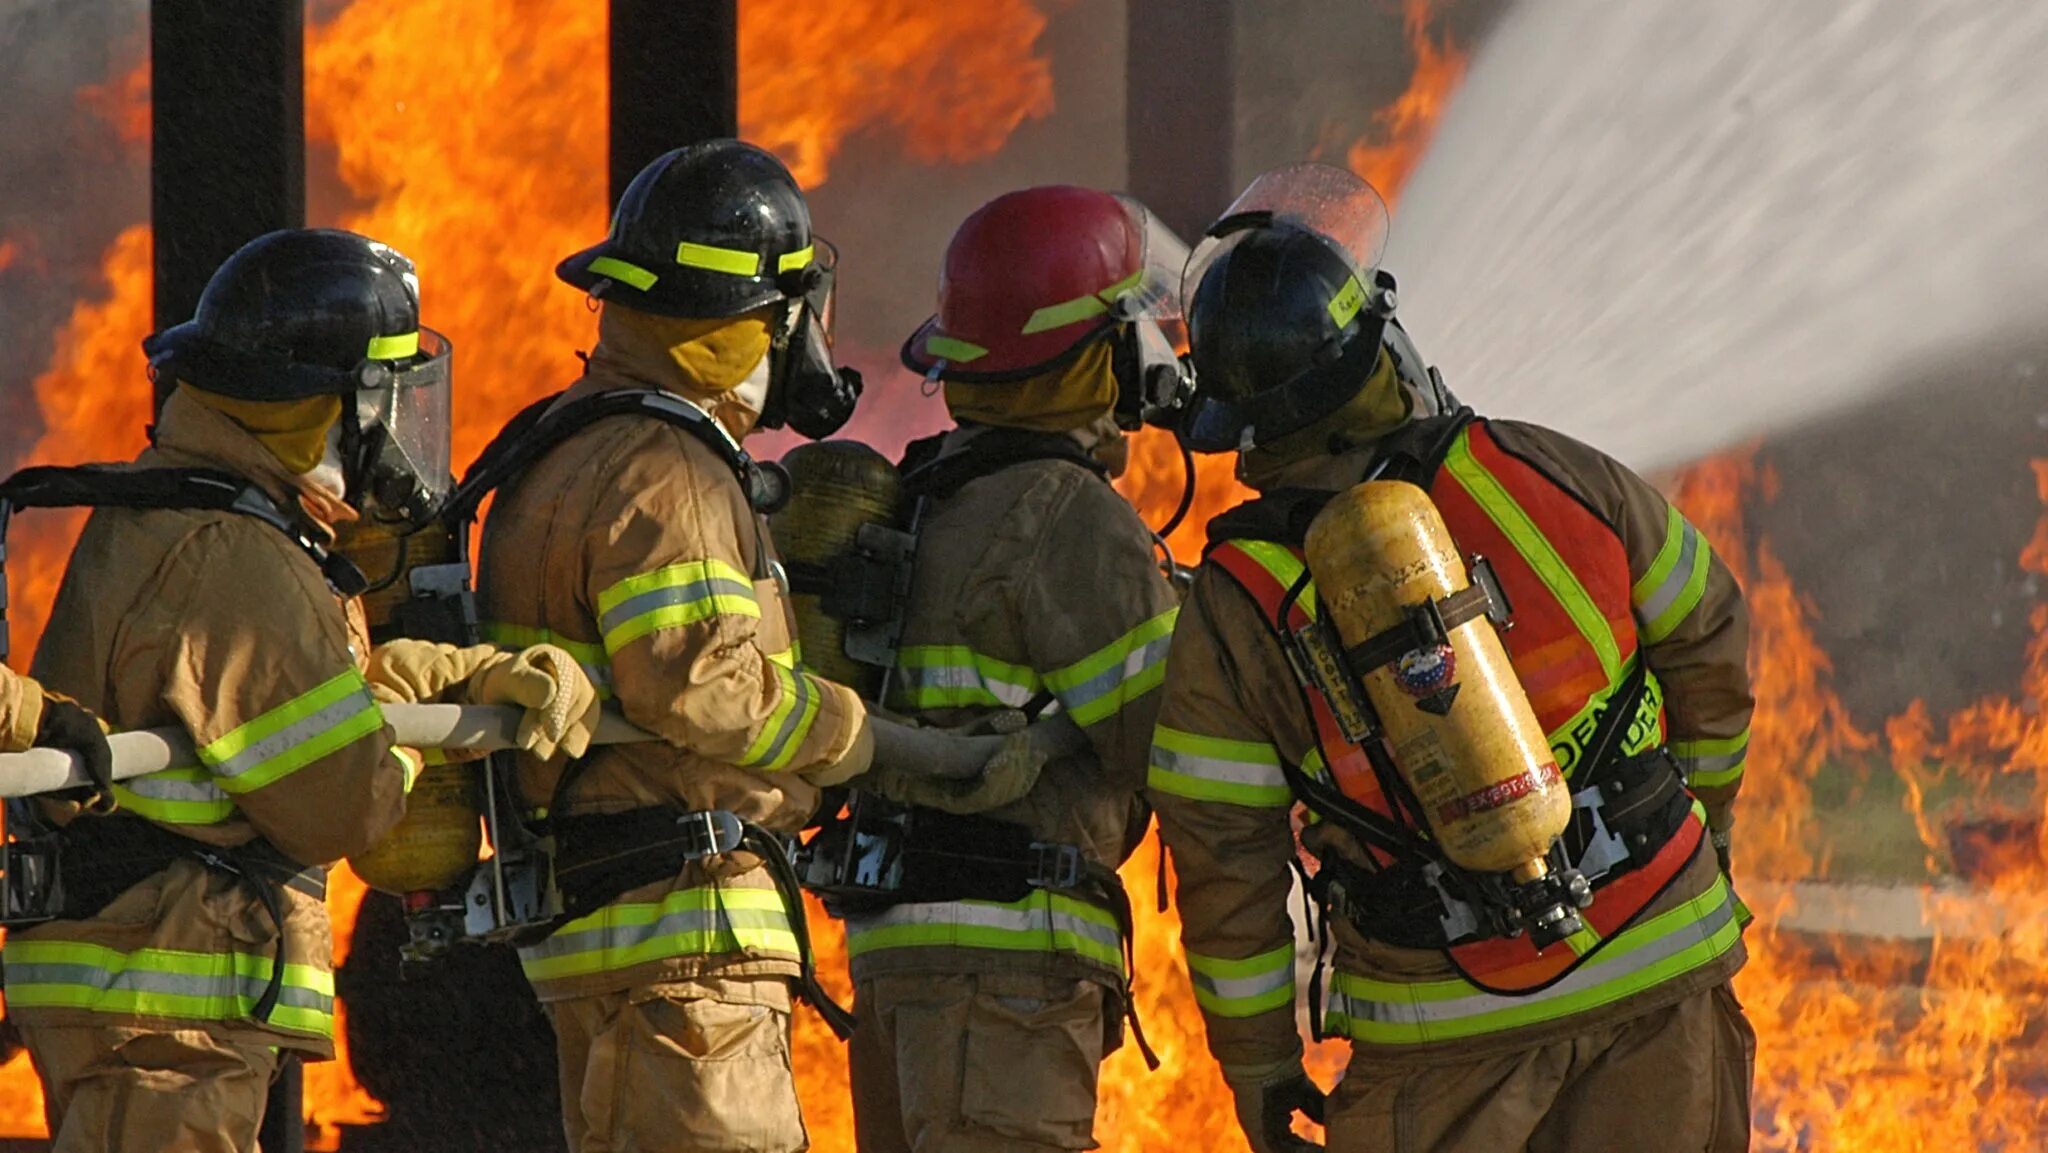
point(561, 704)
point(418, 672)
point(21, 711)
point(1267, 1098)
point(924, 766)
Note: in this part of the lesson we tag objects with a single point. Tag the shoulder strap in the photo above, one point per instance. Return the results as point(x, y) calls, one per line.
point(990, 453)
point(1416, 451)
point(1281, 516)
point(200, 489)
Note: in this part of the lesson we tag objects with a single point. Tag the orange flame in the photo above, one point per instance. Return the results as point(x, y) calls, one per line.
point(1403, 129)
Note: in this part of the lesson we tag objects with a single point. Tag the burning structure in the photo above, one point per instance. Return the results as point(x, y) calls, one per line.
point(494, 162)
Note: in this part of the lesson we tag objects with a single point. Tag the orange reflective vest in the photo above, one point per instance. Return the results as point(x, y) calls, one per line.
point(1573, 647)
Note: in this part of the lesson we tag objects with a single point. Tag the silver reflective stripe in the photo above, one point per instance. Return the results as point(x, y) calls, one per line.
point(1666, 594)
point(964, 678)
point(794, 717)
point(174, 785)
point(985, 916)
point(297, 733)
point(1600, 970)
point(1245, 988)
point(147, 981)
point(726, 927)
point(700, 589)
point(1218, 769)
point(1079, 696)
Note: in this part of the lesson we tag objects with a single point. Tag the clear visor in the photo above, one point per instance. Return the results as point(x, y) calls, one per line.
point(415, 412)
point(1157, 296)
point(1331, 203)
point(822, 298)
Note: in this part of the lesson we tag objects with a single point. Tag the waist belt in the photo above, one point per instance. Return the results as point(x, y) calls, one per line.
point(1618, 823)
point(601, 857)
point(104, 857)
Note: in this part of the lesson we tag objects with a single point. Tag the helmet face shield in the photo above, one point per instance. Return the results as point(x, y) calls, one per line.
point(1330, 203)
point(1157, 296)
point(403, 427)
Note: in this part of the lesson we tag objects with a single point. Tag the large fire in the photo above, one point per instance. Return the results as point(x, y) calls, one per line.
point(1864, 1047)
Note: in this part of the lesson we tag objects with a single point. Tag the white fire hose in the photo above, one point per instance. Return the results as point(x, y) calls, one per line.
point(476, 727)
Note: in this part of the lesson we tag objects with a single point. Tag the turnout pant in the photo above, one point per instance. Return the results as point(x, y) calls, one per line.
point(976, 1063)
point(118, 1090)
point(689, 1067)
point(1677, 1079)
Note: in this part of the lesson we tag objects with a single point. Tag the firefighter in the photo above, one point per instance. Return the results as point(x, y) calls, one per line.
point(1629, 637)
point(192, 955)
point(637, 542)
point(983, 1021)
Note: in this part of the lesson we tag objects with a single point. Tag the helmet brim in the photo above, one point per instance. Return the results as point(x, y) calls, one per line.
point(613, 275)
point(1018, 359)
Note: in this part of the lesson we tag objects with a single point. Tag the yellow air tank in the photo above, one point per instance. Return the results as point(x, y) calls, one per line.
point(1461, 729)
point(836, 486)
point(437, 841)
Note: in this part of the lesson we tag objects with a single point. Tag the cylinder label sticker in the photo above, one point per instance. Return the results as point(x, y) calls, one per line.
point(1499, 793)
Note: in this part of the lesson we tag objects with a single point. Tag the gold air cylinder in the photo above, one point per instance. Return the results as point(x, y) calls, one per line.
point(438, 840)
point(836, 486)
point(1463, 734)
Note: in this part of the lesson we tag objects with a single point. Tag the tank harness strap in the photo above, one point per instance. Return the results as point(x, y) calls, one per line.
point(989, 453)
point(197, 489)
point(104, 857)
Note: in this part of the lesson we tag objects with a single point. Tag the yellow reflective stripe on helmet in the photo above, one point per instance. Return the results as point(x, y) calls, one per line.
point(1040, 923)
point(597, 664)
point(1514, 523)
point(1221, 769)
point(1081, 307)
point(394, 347)
point(1096, 687)
point(1676, 582)
point(791, 261)
point(712, 258)
point(314, 724)
point(1243, 988)
point(706, 921)
point(788, 724)
point(673, 596)
point(1712, 764)
point(1648, 954)
point(953, 349)
point(1349, 299)
point(624, 273)
point(175, 983)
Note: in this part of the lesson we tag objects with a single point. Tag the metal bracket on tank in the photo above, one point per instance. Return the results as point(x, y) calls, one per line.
point(1429, 624)
point(869, 590)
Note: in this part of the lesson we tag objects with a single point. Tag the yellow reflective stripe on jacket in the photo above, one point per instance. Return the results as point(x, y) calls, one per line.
point(1096, 687)
point(165, 983)
point(955, 676)
point(1712, 764)
point(1513, 521)
point(597, 664)
point(788, 723)
point(671, 597)
point(293, 735)
point(1223, 769)
point(1286, 568)
point(699, 922)
point(185, 795)
point(1043, 922)
point(1649, 954)
point(1244, 988)
point(1677, 580)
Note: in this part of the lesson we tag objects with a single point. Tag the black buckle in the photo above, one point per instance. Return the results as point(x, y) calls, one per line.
point(709, 833)
point(1054, 866)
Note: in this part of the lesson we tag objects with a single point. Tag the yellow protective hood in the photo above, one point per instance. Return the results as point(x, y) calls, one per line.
point(1374, 411)
point(1074, 395)
point(295, 431)
point(713, 356)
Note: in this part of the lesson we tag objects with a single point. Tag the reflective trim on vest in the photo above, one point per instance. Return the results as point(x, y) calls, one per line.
point(1040, 923)
point(699, 922)
point(1659, 949)
point(670, 597)
point(1243, 988)
point(1712, 764)
point(955, 676)
point(1677, 580)
point(186, 795)
point(1219, 769)
point(165, 983)
point(284, 740)
point(1098, 686)
point(597, 664)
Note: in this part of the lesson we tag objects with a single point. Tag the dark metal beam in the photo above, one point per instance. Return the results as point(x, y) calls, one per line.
point(228, 146)
point(1180, 109)
point(675, 79)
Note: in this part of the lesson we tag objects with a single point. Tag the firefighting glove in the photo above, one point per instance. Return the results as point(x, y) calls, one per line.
point(416, 672)
point(1723, 836)
point(67, 725)
point(561, 704)
point(1267, 1098)
point(962, 774)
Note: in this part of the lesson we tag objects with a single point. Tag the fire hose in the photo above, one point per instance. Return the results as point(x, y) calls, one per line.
point(482, 728)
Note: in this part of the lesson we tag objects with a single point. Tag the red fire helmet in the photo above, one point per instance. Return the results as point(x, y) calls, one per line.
point(1034, 276)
